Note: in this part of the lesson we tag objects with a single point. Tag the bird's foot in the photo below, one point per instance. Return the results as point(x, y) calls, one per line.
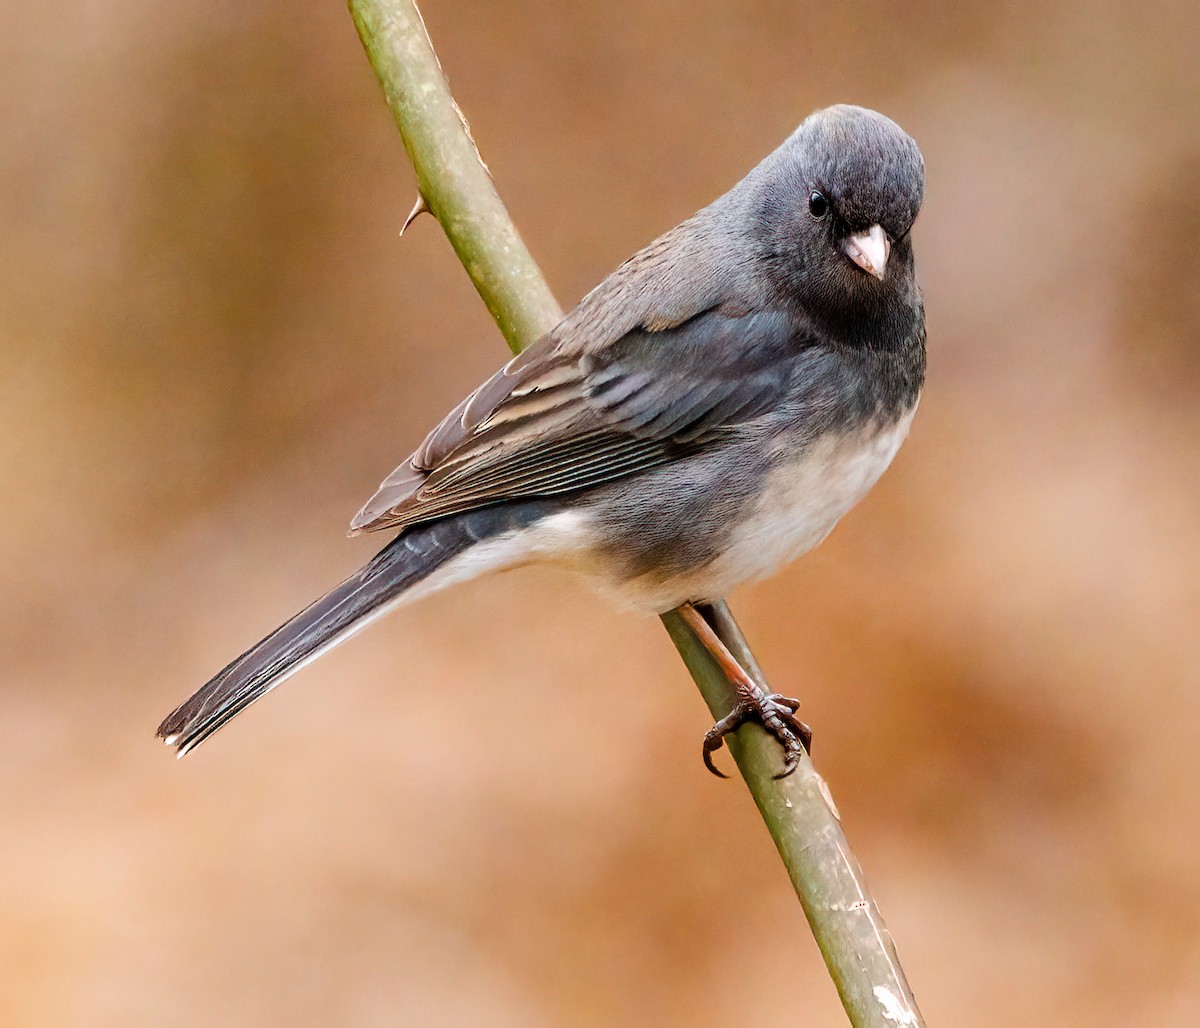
point(777, 715)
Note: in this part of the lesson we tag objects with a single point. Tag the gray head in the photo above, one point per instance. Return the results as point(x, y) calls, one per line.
point(834, 206)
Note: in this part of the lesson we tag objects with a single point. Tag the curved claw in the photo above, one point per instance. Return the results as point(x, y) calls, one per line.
point(780, 723)
point(709, 749)
point(777, 716)
point(714, 738)
point(790, 763)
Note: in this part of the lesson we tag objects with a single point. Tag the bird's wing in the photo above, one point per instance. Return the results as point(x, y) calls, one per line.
point(559, 418)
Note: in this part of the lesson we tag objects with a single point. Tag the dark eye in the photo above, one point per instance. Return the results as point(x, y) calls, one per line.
point(818, 206)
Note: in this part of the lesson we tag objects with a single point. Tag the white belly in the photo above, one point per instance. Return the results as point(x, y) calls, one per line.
point(802, 502)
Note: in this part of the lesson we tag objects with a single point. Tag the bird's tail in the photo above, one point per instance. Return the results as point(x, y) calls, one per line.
point(407, 561)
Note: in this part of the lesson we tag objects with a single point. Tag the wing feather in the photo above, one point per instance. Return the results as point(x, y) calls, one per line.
point(649, 365)
point(555, 421)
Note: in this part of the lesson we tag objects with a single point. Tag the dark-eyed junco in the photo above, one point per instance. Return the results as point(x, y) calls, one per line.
point(706, 413)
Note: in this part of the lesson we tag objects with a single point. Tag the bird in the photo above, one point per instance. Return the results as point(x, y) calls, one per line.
point(703, 416)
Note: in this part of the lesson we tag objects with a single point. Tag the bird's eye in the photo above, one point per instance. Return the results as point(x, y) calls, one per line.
point(817, 205)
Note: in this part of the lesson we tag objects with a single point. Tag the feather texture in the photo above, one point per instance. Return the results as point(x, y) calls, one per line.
point(556, 419)
point(415, 557)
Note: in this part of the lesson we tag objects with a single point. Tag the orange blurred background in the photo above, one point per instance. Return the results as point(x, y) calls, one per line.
point(490, 809)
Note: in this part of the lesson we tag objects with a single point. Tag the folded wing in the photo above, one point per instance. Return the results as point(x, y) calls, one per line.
point(555, 421)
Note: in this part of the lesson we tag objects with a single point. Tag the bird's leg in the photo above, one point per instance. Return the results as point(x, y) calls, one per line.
point(777, 714)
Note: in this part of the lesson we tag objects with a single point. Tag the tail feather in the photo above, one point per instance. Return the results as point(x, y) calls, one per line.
point(406, 561)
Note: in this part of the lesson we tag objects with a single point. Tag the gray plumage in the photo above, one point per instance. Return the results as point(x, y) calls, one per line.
point(708, 411)
point(398, 567)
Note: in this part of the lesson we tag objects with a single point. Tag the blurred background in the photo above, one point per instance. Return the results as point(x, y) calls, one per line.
point(490, 809)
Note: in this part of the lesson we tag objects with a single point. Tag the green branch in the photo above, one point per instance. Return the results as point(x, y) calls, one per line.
point(798, 811)
point(451, 176)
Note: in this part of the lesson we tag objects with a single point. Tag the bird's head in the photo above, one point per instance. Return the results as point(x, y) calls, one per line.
point(836, 203)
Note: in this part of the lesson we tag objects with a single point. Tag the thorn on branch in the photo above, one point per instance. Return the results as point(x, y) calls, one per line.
point(419, 208)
